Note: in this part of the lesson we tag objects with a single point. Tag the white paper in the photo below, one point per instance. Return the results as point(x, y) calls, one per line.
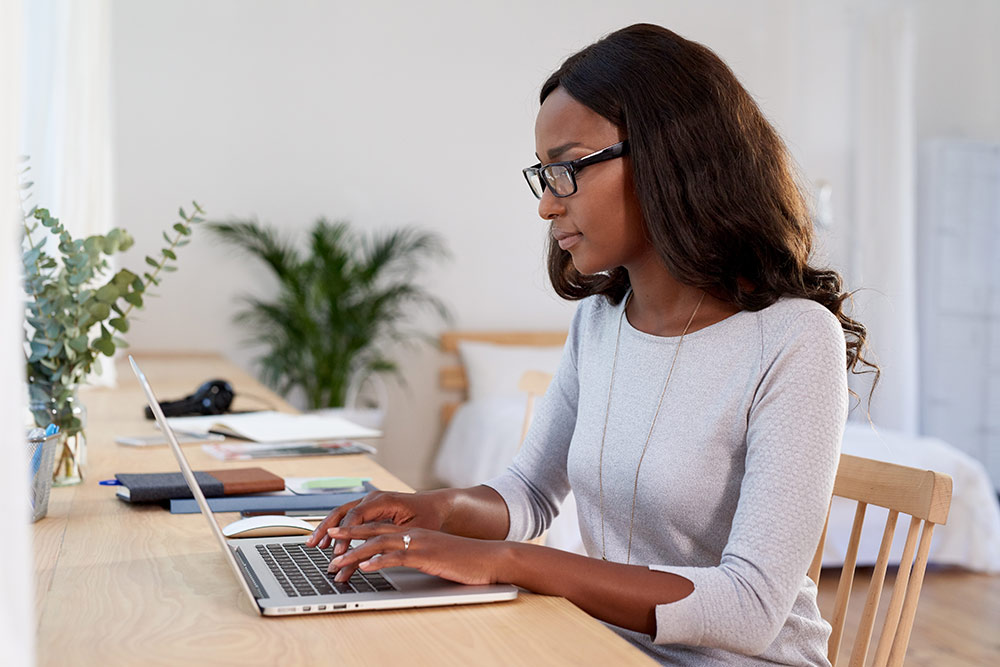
point(272, 426)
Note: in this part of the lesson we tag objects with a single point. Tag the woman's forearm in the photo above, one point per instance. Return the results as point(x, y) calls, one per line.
point(477, 511)
point(623, 595)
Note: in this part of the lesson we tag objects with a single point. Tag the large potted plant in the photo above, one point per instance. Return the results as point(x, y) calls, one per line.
point(74, 314)
point(339, 304)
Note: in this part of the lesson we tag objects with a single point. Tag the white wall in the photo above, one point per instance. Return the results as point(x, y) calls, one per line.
point(17, 619)
point(399, 112)
point(958, 69)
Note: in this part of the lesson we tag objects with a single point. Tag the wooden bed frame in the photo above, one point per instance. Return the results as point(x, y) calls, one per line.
point(452, 378)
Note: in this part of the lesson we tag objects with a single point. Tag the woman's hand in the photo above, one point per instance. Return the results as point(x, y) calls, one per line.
point(462, 559)
point(413, 510)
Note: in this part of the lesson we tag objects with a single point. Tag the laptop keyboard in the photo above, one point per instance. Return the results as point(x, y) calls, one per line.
point(301, 571)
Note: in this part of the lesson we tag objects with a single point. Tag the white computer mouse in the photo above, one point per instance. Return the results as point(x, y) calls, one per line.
point(268, 525)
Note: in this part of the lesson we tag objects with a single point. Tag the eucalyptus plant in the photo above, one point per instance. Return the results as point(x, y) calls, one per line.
point(339, 304)
point(74, 311)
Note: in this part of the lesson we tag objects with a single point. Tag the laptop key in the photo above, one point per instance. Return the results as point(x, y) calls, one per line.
point(342, 587)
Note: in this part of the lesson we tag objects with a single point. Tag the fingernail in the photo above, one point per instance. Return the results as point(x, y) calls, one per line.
point(365, 563)
point(336, 561)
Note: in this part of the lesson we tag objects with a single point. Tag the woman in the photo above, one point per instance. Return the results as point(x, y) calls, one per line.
point(699, 405)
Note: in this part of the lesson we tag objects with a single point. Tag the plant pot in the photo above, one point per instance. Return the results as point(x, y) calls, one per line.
point(54, 404)
point(41, 457)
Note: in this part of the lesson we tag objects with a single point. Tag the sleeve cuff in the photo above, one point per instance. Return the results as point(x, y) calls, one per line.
point(509, 489)
point(683, 621)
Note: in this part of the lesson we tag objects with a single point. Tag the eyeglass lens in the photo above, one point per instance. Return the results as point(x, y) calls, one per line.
point(557, 177)
point(560, 178)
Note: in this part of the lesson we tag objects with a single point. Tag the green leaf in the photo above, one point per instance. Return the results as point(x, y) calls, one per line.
point(100, 311)
point(38, 351)
point(123, 278)
point(134, 298)
point(167, 252)
point(108, 293)
point(151, 278)
point(105, 346)
point(182, 229)
point(152, 262)
point(169, 269)
point(181, 212)
point(119, 323)
point(79, 343)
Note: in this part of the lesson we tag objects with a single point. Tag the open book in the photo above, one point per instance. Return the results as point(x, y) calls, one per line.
point(270, 426)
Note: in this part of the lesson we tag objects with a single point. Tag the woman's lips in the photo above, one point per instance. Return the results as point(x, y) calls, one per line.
point(566, 240)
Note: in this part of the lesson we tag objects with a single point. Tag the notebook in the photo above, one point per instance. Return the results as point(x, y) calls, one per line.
point(271, 426)
point(156, 486)
point(281, 576)
point(279, 502)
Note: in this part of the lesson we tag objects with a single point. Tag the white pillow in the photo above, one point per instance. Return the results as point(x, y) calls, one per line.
point(495, 370)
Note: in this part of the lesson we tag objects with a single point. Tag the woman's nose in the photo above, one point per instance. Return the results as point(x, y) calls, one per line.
point(550, 206)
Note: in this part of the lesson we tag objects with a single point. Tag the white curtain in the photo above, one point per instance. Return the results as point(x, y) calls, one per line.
point(17, 617)
point(66, 115)
point(883, 230)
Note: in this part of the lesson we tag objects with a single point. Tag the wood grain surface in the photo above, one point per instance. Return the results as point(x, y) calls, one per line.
point(120, 584)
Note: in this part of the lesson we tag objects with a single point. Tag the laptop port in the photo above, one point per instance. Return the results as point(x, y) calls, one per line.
point(339, 606)
point(321, 607)
point(307, 608)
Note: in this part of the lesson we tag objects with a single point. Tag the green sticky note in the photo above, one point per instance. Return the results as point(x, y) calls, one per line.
point(334, 482)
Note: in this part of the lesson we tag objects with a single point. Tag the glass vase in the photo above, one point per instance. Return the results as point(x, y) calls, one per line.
point(54, 404)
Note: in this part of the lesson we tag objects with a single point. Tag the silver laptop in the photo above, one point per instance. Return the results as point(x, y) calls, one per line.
point(281, 576)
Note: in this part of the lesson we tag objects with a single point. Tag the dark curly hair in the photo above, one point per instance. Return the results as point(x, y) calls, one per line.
point(717, 188)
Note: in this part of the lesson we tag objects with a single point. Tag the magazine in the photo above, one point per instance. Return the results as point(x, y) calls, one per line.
point(246, 451)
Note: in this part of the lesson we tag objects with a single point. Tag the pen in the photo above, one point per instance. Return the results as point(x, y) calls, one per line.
point(110, 482)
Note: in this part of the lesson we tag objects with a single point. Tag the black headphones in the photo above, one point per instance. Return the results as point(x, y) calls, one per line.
point(211, 398)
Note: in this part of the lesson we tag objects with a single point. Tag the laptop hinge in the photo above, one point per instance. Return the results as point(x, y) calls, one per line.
point(255, 586)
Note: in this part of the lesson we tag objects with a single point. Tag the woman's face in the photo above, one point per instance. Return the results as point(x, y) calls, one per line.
point(600, 224)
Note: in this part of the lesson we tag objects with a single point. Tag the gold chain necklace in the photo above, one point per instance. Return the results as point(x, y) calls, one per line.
point(604, 432)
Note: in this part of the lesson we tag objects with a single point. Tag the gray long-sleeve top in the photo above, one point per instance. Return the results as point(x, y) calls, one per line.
point(735, 484)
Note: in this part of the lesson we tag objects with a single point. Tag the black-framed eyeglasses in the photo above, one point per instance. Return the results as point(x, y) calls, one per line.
point(560, 177)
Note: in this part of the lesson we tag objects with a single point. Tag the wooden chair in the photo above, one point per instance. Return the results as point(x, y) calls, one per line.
point(534, 384)
point(925, 495)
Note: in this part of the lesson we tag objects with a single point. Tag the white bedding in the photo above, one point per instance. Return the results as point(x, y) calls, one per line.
point(483, 436)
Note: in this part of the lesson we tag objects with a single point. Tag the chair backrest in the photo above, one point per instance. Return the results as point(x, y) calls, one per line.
point(925, 496)
point(534, 384)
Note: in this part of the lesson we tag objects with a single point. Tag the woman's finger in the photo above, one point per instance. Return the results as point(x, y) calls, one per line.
point(345, 564)
point(388, 559)
point(319, 538)
point(368, 509)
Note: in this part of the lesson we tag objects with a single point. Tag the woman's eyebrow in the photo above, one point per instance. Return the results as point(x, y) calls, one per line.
point(553, 153)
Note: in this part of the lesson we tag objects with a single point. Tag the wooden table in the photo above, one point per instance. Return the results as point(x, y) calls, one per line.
point(130, 585)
